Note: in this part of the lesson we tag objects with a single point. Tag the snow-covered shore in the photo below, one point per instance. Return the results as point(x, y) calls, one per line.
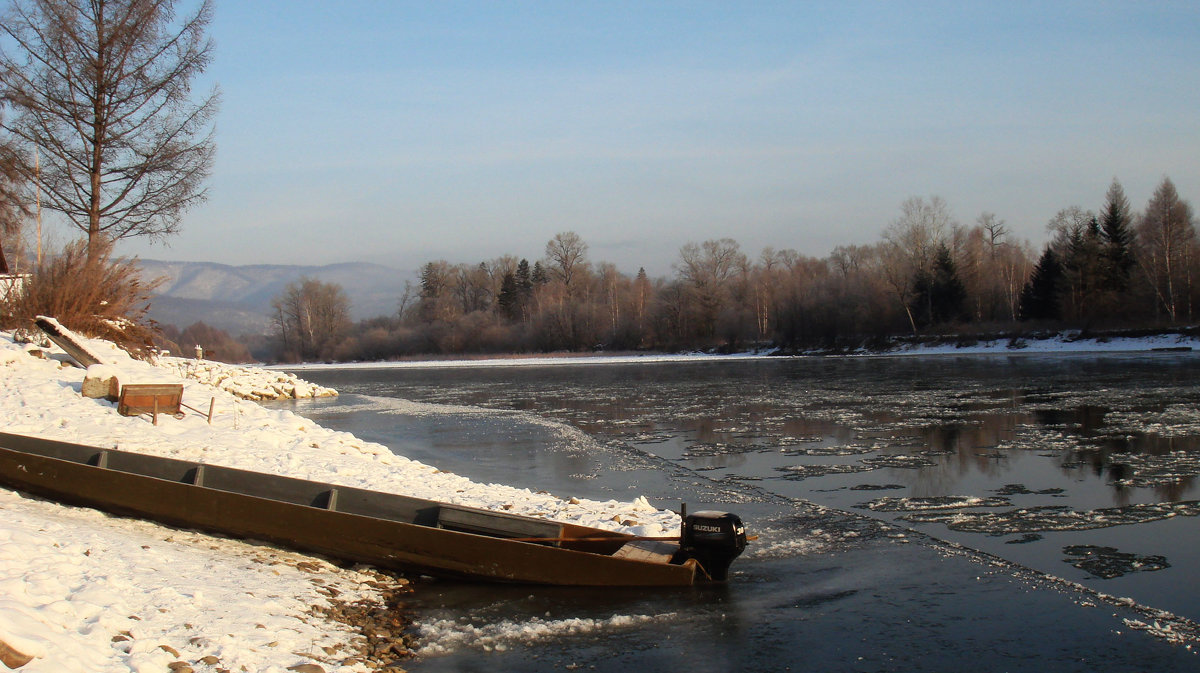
point(248, 383)
point(1066, 343)
point(81, 591)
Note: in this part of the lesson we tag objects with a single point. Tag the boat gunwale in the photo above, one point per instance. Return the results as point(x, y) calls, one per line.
point(310, 510)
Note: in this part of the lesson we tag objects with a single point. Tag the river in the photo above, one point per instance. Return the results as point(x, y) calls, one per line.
point(1000, 512)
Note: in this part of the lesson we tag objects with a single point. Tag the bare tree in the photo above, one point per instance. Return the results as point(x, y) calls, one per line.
point(473, 287)
point(1003, 266)
point(921, 228)
point(12, 207)
point(102, 88)
point(994, 230)
point(406, 300)
point(911, 243)
point(498, 268)
point(1066, 224)
point(311, 317)
point(567, 254)
point(1167, 238)
point(707, 270)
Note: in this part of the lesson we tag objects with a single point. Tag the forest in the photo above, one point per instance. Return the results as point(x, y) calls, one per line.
point(1105, 269)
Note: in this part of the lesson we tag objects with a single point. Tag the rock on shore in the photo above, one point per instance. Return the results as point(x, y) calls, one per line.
point(249, 383)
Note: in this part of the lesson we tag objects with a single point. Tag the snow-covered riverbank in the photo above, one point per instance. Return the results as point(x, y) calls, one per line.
point(1065, 343)
point(81, 591)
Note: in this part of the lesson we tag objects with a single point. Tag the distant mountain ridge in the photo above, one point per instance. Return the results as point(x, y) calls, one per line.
point(237, 299)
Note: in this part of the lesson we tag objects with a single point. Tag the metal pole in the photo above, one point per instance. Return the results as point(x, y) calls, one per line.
point(37, 172)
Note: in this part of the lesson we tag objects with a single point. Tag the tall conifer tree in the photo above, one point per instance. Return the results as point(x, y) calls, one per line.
point(1116, 223)
point(949, 295)
point(1040, 296)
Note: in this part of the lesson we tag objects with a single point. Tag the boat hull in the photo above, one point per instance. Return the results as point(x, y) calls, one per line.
point(307, 516)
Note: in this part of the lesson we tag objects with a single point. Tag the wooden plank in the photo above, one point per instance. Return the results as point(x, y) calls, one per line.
point(647, 550)
point(481, 522)
point(64, 341)
point(13, 658)
point(150, 398)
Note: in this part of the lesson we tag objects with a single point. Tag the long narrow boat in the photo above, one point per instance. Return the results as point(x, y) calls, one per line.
point(357, 525)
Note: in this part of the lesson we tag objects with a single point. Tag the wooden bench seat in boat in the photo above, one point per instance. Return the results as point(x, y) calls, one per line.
point(648, 550)
point(496, 524)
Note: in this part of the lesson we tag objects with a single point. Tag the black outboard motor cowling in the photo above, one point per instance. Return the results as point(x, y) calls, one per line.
point(714, 539)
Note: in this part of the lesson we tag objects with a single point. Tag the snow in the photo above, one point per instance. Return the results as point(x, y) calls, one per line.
point(83, 591)
point(658, 358)
point(449, 635)
point(1065, 343)
point(251, 383)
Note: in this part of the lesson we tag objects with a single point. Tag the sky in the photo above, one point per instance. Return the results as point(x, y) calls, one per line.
point(405, 132)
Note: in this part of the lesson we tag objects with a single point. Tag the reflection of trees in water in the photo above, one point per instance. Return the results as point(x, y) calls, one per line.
point(1086, 420)
point(971, 416)
point(1000, 422)
point(1175, 490)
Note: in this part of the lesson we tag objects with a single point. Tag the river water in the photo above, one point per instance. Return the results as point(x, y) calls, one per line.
point(1014, 512)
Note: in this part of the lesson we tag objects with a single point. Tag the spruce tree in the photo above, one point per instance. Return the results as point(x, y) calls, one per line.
point(539, 277)
point(1116, 223)
point(1039, 298)
point(524, 279)
point(939, 294)
point(509, 299)
point(948, 294)
point(920, 307)
point(1082, 265)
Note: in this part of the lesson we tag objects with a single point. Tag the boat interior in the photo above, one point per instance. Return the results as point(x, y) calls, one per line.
point(344, 499)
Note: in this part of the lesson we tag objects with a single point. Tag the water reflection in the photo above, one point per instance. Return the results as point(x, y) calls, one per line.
point(1079, 434)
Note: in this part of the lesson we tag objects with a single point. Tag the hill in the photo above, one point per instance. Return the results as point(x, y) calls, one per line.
point(237, 299)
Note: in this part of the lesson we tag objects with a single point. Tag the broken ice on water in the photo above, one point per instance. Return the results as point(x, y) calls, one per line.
point(937, 503)
point(1109, 562)
point(1054, 518)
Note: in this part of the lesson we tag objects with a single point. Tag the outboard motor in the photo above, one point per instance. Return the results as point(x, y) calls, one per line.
point(714, 539)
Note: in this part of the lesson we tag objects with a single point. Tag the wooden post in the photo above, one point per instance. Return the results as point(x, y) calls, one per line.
point(12, 657)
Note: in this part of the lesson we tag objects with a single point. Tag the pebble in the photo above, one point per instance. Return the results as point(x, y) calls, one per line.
point(383, 624)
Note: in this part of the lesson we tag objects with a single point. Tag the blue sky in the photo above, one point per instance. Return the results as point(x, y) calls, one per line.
point(399, 133)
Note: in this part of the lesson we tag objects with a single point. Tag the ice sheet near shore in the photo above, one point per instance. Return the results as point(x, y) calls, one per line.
point(82, 591)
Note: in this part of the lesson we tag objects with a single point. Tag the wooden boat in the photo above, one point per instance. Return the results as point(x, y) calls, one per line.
point(361, 526)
